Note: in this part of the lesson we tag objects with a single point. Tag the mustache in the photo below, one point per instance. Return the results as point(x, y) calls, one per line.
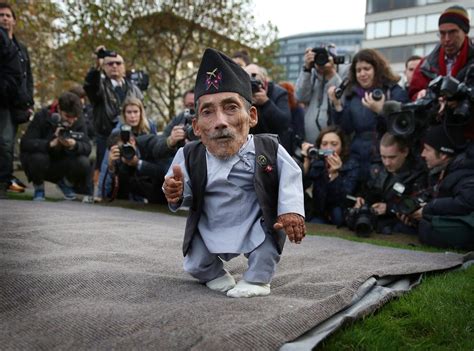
point(222, 133)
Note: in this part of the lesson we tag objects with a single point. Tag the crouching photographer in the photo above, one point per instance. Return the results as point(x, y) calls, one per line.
point(331, 173)
point(55, 147)
point(447, 220)
point(131, 172)
point(398, 177)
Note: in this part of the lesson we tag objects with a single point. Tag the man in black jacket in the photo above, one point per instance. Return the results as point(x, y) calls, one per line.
point(16, 94)
point(55, 147)
point(273, 108)
point(107, 88)
point(452, 191)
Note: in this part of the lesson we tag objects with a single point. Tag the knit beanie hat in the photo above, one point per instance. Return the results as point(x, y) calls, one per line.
point(448, 141)
point(457, 15)
point(218, 73)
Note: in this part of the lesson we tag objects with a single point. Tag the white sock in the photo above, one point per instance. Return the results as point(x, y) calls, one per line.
point(222, 284)
point(246, 289)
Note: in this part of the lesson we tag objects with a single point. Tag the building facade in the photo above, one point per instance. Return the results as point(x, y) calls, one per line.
point(292, 48)
point(401, 28)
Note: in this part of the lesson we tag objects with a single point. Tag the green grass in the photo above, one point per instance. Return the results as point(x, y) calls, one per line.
point(436, 315)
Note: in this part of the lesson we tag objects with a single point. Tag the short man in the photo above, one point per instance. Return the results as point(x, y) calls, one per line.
point(382, 193)
point(244, 191)
point(273, 108)
point(55, 147)
point(452, 184)
point(16, 108)
point(178, 130)
point(107, 89)
point(451, 57)
point(410, 65)
point(312, 89)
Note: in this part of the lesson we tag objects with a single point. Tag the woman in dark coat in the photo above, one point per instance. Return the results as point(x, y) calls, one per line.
point(332, 174)
point(371, 83)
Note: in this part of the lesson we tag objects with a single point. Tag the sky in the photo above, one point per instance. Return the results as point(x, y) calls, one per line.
point(305, 16)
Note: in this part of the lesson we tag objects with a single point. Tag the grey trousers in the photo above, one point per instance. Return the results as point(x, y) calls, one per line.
point(206, 266)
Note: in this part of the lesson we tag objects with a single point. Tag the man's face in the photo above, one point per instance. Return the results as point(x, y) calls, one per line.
point(410, 69)
point(114, 67)
point(67, 117)
point(7, 21)
point(451, 38)
point(392, 157)
point(188, 101)
point(433, 158)
point(223, 123)
point(255, 71)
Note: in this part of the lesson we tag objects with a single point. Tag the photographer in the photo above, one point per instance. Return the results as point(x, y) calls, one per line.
point(333, 175)
point(131, 171)
point(311, 88)
point(178, 131)
point(370, 83)
point(271, 101)
point(55, 147)
point(399, 176)
point(16, 96)
point(107, 88)
point(447, 220)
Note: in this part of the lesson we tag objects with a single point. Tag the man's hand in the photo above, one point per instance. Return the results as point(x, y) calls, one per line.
point(177, 134)
point(173, 186)
point(359, 202)
point(309, 58)
point(68, 143)
point(293, 225)
point(380, 208)
point(372, 104)
point(260, 97)
point(334, 100)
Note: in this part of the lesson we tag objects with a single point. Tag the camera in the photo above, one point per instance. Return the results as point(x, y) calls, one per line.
point(189, 114)
point(65, 131)
point(361, 220)
point(255, 83)
point(102, 53)
point(405, 204)
point(127, 151)
point(316, 153)
point(321, 56)
point(377, 94)
point(140, 78)
point(340, 89)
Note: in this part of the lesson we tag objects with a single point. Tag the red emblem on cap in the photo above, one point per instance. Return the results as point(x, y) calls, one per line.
point(213, 79)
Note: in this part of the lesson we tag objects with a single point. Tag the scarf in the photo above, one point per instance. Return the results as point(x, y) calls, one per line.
point(460, 62)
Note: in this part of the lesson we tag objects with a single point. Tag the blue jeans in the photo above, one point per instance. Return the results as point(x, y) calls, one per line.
point(337, 217)
point(7, 143)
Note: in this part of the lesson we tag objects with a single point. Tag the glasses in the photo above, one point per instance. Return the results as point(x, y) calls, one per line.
point(111, 63)
point(449, 33)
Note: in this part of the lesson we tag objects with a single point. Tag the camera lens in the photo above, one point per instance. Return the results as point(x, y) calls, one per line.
point(377, 94)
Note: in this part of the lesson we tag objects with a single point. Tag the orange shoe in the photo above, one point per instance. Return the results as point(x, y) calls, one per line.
point(16, 186)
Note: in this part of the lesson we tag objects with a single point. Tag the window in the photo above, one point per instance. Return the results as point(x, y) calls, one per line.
point(411, 25)
point(370, 31)
point(399, 27)
point(382, 29)
point(294, 58)
point(420, 24)
point(432, 22)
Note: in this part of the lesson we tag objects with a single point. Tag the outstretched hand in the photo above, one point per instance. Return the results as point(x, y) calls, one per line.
point(173, 186)
point(293, 225)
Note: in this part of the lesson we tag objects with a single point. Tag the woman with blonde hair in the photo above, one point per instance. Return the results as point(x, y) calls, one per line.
point(133, 114)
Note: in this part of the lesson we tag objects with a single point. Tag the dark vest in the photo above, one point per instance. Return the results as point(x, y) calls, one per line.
point(266, 184)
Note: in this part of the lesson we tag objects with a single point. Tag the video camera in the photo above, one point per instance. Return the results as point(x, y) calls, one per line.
point(361, 220)
point(319, 154)
point(65, 131)
point(127, 151)
point(140, 78)
point(102, 53)
point(321, 56)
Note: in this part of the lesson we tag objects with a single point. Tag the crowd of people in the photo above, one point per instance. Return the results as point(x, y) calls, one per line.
point(375, 154)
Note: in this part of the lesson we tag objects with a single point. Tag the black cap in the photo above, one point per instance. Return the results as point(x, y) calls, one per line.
point(449, 141)
point(218, 73)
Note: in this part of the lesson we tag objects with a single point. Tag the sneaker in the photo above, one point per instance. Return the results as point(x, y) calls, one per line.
point(88, 199)
point(39, 194)
point(16, 185)
point(67, 190)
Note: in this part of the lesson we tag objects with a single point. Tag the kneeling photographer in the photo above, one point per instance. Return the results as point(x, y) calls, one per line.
point(388, 189)
point(131, 171)
point(447, 220)
point(332, 173)
point(55, 147)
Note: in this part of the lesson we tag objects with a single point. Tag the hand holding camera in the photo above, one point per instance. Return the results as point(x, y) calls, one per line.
point(374, 101)
point(336, 102)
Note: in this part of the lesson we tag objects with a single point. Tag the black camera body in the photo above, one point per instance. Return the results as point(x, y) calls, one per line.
point(318, 154)
point(65, 131)
point(404, 203)
point(140, 78)
point(361, 220)
point(256, 84)
point(377, 94)
point(102, 53)
point(321, 57)
point(340, 89)
point(189, 114)
point(127, 151)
